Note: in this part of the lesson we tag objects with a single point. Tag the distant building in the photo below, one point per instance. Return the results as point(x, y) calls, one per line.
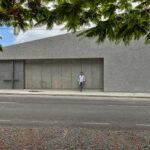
point(55, 63)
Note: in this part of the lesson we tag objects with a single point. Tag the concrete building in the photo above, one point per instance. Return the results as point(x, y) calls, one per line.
point(55, 63)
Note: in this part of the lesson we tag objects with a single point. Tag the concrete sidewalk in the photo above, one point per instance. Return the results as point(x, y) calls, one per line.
point(92, 93)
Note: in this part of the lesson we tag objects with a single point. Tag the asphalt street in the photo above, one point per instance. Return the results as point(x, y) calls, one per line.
point(75, 112)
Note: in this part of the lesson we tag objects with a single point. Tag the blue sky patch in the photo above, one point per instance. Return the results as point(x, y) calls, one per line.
point(7, 36)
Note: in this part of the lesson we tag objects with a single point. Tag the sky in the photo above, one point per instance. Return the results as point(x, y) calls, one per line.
point(36, 33)
point(7, 36)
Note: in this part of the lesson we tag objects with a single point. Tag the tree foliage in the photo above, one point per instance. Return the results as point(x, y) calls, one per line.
point(116, 20)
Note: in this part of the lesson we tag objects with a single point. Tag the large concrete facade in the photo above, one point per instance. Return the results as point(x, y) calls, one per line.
point(126, 68)
point(63, 73)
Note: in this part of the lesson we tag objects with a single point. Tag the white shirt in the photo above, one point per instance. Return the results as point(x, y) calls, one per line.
point(81, 78)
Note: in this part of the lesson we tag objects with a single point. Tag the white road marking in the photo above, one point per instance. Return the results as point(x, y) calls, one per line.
point(35, 121)
point(7, 102)
point(127, 105)
point(4, 120)
point(146, 125)
point(50, 122)
point(96, 123)
point(55, 122)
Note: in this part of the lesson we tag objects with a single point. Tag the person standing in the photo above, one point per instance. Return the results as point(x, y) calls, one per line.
point(81, 80)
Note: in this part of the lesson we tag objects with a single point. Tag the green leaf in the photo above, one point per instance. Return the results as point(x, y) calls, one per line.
point(147, 41)
point(1, 49)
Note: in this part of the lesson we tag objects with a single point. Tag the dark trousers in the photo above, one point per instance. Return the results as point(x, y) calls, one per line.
point(81, 86)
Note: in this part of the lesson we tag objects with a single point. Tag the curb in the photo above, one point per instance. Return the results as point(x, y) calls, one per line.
point(74, 95)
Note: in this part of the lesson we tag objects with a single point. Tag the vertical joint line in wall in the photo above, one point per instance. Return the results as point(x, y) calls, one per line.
point(103, 72)
point(91, 72)
point(41, 83)
point(81, 65)
point(24, 74)
point(101, 63)
point(61, 74)
point(71, 71)
point(51, 73)
point(12, 73)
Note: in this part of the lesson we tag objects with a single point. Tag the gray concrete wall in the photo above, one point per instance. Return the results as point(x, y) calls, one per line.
point(19, 74)
point(126, 68)
point(5, 75)
point(63, 73)
point(11, 74)
point(128, 71)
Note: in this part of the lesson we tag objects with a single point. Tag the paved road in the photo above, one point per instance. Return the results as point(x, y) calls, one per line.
point(75, 112)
